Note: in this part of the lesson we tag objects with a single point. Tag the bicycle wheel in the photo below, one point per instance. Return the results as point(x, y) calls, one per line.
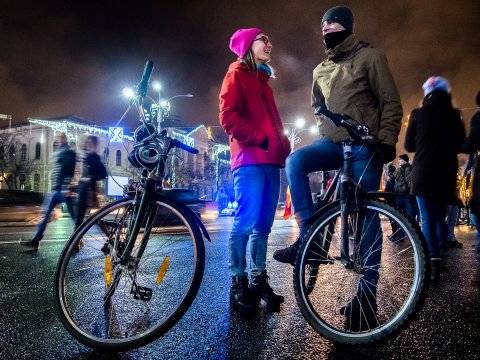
point(380, 292)
point(112, 306)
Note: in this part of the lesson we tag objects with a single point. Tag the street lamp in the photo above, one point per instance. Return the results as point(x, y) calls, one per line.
point(298, 127)
point(162, 106)
point(158, 87)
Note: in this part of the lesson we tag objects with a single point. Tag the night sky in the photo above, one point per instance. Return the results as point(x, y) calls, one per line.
point(75, 57)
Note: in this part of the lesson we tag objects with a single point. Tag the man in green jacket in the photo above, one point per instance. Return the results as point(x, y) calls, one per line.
point(354, 80)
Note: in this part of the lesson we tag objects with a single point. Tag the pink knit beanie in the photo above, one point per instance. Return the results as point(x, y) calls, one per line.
point(242, 39)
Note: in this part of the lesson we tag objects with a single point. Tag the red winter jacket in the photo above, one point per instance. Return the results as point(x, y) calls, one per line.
point(248, 114)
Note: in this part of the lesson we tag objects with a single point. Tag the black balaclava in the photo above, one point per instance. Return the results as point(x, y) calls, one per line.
point(335, 38)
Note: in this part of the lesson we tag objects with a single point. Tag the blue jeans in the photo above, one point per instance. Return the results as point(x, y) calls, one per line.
point(324, 155)
point(434, 228)
point(256, 190)
point(404, 202)
point(55, 197)
point(453, 212)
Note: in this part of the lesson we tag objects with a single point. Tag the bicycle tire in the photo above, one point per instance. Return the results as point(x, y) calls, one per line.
point(336, 305)
point(145, 298)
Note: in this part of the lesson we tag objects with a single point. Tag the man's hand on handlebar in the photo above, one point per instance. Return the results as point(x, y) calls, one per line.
point(386, 152)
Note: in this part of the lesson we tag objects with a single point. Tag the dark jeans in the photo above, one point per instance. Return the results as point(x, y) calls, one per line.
point(56, 197)
point(434, 228)
point(404, 202)
point(82, 202)
point(324, 155)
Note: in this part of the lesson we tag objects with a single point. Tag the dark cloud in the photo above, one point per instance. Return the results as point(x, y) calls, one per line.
point(74, 57)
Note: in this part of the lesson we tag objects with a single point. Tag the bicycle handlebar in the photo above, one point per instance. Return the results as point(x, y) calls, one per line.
point(151, 145)
point(357, 132)
point(184, 146)
point(142, 85)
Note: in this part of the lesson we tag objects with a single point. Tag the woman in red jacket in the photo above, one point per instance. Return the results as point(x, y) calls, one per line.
point(258, 149)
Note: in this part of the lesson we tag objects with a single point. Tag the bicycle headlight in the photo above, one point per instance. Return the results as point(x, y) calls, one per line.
point(145, 156)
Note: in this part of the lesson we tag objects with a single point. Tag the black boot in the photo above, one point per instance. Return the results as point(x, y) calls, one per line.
point(289, 254)
point(241, 297)
point(261, 288)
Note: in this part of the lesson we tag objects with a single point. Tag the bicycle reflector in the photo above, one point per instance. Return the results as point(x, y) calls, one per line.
point(107, 270)
point(163, 270)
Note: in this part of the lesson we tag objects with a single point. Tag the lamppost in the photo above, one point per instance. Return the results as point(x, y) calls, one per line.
point(298, 127)
point(158, 87)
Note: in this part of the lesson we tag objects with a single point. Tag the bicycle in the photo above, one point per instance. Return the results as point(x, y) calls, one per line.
point(142, 259)
point(352, 235)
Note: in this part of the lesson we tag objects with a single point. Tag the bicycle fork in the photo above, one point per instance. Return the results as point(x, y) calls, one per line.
point(351, 215)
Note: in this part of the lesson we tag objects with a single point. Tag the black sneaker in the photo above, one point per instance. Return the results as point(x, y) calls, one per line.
point(260, 288)
point(287, 255)
point(453, 244)
point(32, 244)
point(436, 264)
point(361, 312)
point(241, 297)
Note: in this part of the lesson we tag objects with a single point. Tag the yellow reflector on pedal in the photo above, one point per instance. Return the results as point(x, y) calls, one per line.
point(163, 270)
point(107, 270)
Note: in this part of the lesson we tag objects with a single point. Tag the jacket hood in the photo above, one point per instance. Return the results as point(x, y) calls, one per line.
point(438, 99)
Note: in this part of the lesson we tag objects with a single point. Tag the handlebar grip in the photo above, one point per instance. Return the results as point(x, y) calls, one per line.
point(142, 85)
point(337, 119)
point(183, 146)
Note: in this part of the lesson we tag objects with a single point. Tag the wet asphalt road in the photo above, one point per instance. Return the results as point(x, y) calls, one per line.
point(448, 327)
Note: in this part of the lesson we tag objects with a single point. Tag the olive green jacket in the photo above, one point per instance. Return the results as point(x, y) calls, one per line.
point(355, 80)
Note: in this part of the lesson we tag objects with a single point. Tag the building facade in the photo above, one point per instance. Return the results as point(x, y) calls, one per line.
point(26, 156)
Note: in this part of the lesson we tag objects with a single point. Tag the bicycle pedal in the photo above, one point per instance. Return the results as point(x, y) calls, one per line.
point(105, 249)
point(141, 293)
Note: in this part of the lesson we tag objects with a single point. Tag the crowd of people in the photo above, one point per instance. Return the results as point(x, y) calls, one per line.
point(355, 80)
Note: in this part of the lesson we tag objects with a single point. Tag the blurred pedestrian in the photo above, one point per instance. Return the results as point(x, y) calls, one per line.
point(435, 133)
point(258, 148)
point(64, 179)
point(390, 178)
point(472, 147)
point(403, 183)
point(453, 213)
point(92, 171)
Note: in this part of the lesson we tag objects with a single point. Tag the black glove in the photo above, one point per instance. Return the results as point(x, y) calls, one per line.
point(386, 153)
point(264, 144)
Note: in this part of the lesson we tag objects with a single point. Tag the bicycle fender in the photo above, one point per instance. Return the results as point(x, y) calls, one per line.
point(388, 197)
point(201, 226)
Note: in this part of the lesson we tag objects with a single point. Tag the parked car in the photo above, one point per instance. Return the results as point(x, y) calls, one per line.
point(189, 198)
point(22, 206)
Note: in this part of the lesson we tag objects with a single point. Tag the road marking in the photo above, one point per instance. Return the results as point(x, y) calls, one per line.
point(24, 241)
